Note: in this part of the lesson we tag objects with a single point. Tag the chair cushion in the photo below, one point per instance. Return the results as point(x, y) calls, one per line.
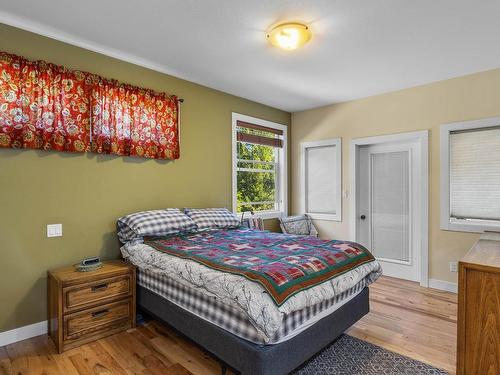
point(296, 225)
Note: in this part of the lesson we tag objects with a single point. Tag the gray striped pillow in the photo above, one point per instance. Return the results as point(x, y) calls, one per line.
point(135, 226)
point(213, 218)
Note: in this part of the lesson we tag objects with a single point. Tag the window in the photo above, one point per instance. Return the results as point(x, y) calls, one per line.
point(259, 166)
point(470, 175)
point(321, 179)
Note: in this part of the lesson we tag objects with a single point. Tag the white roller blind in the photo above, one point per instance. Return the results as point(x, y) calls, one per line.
point(321, 184)
point(390, 205)
point(475, 174)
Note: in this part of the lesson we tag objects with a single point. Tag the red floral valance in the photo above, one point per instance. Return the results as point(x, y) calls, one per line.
point(45, 106)
point(128, 120)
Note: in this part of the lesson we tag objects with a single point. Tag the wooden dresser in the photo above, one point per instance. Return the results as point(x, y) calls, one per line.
point(86, 306)
point(478, 350)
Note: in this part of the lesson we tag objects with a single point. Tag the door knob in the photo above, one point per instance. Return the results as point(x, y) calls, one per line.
point(362, 217)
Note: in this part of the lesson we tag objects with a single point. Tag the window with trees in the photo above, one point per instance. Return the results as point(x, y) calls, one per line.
point(259, 173)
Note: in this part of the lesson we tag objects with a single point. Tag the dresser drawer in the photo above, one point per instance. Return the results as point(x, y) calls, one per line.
point(95, 320)
point(100, 291)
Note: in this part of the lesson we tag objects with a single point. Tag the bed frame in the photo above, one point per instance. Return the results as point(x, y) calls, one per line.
point(244, 356)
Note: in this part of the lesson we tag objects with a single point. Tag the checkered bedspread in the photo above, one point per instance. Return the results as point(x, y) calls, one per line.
point(283, 264)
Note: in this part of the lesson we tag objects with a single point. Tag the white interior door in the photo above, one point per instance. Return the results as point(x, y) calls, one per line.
point(388, 205)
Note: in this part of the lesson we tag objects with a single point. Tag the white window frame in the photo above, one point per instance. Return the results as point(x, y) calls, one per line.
point(448, 222)
point(282, 178)
point(337, 142)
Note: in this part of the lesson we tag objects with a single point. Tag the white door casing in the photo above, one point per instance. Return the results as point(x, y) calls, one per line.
point(407, 156)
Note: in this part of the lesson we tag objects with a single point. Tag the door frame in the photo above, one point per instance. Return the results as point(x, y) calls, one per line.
point(422, 140)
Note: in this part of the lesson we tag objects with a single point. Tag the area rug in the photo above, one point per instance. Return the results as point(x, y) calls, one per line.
point(351, 356)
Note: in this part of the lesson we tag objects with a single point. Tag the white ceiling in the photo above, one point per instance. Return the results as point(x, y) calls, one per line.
point(359, 47)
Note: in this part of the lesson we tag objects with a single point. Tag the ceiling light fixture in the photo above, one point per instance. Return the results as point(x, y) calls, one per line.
point(289, 36)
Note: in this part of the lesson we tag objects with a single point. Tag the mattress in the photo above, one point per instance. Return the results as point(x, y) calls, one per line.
point(250, 311)
point(211, 309)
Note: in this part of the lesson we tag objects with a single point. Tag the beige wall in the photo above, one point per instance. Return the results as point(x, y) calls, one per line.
point(86, 192)
point(425, 107)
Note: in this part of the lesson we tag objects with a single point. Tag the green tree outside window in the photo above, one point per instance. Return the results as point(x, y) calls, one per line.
point(256, 176)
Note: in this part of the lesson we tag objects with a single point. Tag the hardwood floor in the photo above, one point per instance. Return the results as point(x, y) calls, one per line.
point(405, 318)
point(420, 323)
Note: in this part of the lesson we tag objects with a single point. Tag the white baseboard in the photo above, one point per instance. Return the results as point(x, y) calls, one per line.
point(23, 333)
point(41, 328)
point(443, 285)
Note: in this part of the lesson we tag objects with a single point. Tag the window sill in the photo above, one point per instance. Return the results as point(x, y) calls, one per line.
point(264, 214)
point(470, 226)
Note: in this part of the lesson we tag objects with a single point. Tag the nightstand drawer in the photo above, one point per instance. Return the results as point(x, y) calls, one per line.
point(100, 318)
point(96, 292)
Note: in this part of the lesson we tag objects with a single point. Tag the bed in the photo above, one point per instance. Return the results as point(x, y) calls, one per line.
point(262, 303)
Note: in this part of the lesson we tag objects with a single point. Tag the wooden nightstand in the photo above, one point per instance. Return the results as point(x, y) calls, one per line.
point(86, 306)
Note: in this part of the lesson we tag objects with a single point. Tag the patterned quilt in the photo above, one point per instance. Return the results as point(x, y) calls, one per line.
point(283, 264)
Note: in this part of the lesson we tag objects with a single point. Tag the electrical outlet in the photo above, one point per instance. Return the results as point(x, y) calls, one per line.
point(453, 266)
point(54, 230)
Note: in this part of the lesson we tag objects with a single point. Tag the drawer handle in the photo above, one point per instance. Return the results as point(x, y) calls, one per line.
point(99, 314)
point(99, 287)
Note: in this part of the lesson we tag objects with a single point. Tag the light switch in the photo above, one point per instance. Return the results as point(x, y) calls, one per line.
point(54, 230)
point(453, 266)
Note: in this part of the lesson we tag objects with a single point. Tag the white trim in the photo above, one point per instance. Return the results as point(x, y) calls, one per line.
point(23, 333)
point(283, 170)
point(266, 214)
point(448, 223)
point(337, 142)
point(57, 34)
point(423, 139)
point(443, 285)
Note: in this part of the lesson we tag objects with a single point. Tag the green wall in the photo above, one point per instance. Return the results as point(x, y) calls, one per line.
point(86, 192)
